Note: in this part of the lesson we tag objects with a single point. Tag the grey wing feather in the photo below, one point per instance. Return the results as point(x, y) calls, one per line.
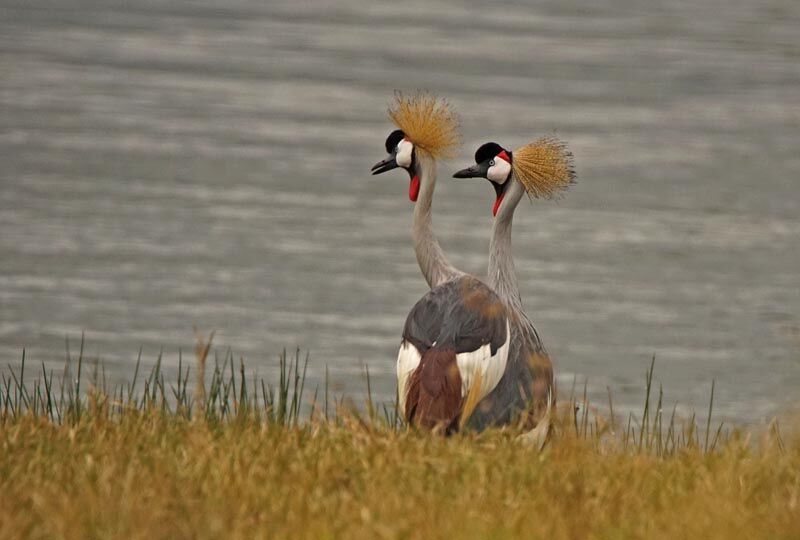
point(463, 313)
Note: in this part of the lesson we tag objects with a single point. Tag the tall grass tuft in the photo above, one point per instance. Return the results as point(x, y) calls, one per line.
point(223, 391)
point(226, 394)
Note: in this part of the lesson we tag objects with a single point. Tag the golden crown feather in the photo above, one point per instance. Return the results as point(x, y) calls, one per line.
point(429, 122)
point(544, 167)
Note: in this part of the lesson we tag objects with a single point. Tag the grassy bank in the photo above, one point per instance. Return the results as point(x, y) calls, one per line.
point(162, 476)
point(163, 462)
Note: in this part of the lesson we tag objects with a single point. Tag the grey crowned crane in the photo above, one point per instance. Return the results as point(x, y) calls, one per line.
point(541, 169)
point(455, 341)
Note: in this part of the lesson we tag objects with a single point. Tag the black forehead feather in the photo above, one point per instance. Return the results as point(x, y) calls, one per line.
point(394, 139)
point(487, 151)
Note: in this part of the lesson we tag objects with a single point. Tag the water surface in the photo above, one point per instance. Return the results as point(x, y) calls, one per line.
point(167, 164)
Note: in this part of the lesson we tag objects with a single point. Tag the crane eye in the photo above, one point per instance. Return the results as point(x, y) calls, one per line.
point(491, 163)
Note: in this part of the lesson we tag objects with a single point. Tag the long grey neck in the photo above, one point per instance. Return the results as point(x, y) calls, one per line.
point(502, 275)
point(432, 260)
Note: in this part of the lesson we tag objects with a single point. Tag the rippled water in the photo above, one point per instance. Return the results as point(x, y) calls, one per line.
point(169, 163)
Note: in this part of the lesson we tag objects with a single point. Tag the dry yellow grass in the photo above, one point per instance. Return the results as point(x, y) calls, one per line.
point(159, 475)
point(146, 460)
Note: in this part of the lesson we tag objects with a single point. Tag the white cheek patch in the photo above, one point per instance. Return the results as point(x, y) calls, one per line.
point(403, 156)
point(499, 171)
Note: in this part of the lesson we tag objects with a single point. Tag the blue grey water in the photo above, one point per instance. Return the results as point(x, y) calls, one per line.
point(167, 163)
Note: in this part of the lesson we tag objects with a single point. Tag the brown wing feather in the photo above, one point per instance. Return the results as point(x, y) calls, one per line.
point(434, 396)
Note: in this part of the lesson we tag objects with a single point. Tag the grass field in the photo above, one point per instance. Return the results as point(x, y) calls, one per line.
point(236, 460)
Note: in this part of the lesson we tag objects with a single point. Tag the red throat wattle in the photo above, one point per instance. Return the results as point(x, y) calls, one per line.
point(413, 188)
point(497, 203)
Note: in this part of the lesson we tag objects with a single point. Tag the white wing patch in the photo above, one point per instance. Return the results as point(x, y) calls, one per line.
point(408, 358)
point(491, 367)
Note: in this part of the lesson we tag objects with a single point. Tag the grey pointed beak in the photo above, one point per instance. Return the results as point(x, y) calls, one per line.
point(385, 165)
point(476, 171)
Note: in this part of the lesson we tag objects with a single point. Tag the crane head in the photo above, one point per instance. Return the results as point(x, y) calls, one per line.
point(492, 162)
point(401, 154)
